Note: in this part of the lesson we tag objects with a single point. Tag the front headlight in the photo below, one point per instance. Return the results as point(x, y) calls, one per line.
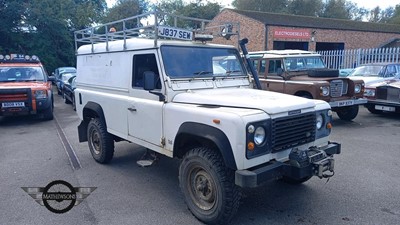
point(324, 90)
point(323, 123)
point(369, 93)
point(41, 94)
point(357, 88)
point(259, 136)
point(320, 121)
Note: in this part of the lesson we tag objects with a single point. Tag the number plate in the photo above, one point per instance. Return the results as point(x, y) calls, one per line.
point(12, 104)
point(175, 33)
point(346, 103)
point(385, 108)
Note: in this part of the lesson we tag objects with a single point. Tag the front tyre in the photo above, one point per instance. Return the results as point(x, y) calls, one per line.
point(101, 143)
point(348, 113)
point(208, 186)
point(48, 113)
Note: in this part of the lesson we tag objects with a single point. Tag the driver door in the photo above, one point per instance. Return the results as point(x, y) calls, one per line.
point(145, 109)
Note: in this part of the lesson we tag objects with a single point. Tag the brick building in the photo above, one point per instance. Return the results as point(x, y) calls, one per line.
point(267, 31)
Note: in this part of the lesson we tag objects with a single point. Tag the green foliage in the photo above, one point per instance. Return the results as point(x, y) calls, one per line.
point(45, 27)
point(124, 9)
point(276, 6)
point(336, 9)
point(306, 7)
point(396, 15)
point(198, 9)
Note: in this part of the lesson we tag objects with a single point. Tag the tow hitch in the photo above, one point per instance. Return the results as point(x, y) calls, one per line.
point(322, 165)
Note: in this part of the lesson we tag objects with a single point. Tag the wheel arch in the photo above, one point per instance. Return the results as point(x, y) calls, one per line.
point(303, 94)
point(192, 134)
point(90, 110)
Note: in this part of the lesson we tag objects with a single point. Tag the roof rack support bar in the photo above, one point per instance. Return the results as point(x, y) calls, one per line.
point(155, 28)
point(106, 32)
point(124, 33)
point(91, 38)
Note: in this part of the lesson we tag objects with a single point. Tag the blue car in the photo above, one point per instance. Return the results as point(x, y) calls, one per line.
point(69, 92)
point(58, 73)
point(63, 79)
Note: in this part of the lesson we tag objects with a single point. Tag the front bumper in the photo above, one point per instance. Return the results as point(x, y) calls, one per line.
point(31, 107)
point(313, 162)
point(349, 102)
point(384, 105)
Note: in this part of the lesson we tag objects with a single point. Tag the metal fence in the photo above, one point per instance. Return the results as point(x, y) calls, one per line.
point(351, 58)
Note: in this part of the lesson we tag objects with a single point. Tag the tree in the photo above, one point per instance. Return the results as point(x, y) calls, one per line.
point(124, 9)
point(199, 9)
point(356, 13)
point(336, 9)
point(11, 13)
point(396, 16)
point(45, 27)
point(277, 6)
point(306, 7)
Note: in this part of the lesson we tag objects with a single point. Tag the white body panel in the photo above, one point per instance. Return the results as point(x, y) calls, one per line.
point(139, 116)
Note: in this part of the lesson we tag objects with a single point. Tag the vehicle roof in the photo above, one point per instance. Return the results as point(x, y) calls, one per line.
point(379, 64)
point(139, 43)
point(66, 68)
point(284, 53)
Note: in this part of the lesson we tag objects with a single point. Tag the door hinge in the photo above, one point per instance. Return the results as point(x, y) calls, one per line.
point(163, 141)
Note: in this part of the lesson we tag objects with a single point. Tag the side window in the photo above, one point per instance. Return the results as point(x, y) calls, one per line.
point(274, 65)
point(255, 63)
point(390, 71)
point(141, 64)
point(262, 66)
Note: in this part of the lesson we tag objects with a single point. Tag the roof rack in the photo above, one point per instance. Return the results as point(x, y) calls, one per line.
point(19, 58)
point(155, 25)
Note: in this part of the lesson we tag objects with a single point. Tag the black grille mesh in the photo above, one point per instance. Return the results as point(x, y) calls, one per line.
point(293, 131)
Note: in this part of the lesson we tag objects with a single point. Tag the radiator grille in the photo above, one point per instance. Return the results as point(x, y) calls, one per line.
point(338, 88)
point(388, 93)
point(292, 131)
point(11, 95)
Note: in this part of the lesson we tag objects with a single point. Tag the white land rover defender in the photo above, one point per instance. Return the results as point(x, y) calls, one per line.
point(195, 101)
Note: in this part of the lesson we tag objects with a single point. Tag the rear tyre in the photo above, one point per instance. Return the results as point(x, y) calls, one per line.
point(73, 103)
point(208, 186)
point(348, 113)
point(101, 143)
point(66, 101)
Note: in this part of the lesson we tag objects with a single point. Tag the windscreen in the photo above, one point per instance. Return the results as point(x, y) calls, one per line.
point(21, 74)
point(200, 62)
point(303, 63)
point(367, 71)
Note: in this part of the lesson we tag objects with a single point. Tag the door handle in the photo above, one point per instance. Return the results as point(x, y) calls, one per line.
point(132, 109)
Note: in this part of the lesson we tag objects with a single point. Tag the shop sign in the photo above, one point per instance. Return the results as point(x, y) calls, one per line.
point(292, 33)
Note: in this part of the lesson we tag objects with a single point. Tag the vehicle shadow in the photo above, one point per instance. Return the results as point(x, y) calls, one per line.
point(20, 120)
point(275, 202)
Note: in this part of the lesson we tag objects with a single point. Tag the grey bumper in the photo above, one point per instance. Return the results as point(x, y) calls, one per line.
point(275, 170)
point(349, 102)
